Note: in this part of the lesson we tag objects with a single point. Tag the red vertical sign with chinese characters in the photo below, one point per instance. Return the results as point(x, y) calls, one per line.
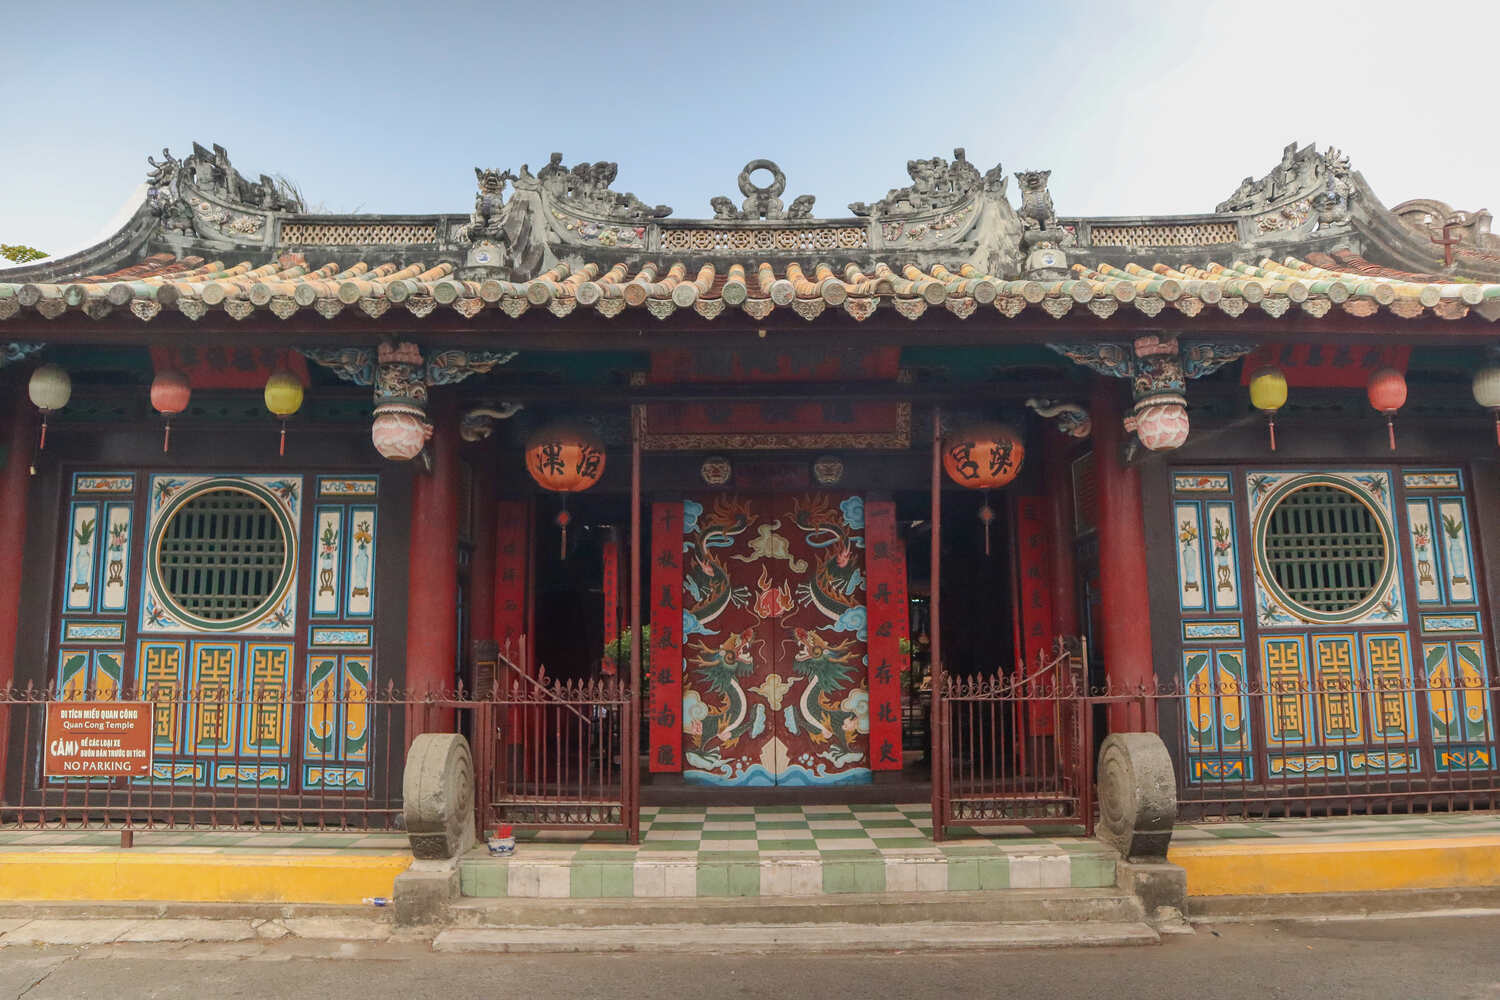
point(666, 636)
point(510, 596)
point(1036, 600)
point(610, 558)
point(888, 622)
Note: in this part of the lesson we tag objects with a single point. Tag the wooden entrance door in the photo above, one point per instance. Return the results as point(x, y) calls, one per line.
point(774, 633)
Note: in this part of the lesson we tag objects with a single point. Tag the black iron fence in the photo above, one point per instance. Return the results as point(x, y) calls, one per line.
point(1248, 750)
point(214, 758)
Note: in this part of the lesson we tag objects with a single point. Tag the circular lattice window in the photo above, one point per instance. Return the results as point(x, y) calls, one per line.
point(1324, 551)
point(221, 557)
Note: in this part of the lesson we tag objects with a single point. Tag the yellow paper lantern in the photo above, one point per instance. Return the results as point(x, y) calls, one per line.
point(1268, 394)
point(283, 398)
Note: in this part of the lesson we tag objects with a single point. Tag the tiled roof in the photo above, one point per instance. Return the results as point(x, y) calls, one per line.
point(195, 288)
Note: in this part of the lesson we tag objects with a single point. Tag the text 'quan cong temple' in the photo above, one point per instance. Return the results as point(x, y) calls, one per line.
point(760, 490)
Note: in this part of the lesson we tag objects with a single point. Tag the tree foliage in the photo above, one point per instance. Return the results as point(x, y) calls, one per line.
point(19, 254)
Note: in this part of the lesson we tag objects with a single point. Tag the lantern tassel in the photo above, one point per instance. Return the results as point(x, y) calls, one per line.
point(42, 444)
point(1271, 423)
point(1390, 427)
point(282, 449)
point(166, 437)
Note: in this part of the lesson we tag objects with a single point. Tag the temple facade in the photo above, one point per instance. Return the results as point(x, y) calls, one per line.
point(781, 477)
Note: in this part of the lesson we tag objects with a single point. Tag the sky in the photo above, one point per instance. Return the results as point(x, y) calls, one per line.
point(1136, 108)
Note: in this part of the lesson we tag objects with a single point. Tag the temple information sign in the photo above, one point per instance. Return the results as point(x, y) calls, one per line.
point(98, 739)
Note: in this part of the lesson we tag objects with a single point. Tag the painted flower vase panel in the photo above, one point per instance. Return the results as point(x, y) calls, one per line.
point(1455, 529)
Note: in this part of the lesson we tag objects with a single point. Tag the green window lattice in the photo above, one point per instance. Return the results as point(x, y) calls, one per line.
point(1325, 548)
point(221, 555)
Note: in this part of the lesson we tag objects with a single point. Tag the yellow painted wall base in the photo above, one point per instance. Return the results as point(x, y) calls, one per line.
point(197, 878)
point(1259, 868)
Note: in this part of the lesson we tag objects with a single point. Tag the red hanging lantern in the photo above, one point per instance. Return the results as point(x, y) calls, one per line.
point(984, 457)
point(170, 393)
point(1387, 393)
point(565, 459)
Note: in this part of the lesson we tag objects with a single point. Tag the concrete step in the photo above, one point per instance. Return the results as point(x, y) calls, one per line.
point(1017, 906)
point(840, 938)
point(554, 872)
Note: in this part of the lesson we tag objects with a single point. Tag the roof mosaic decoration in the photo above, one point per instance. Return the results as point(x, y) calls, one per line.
point(1309, 238)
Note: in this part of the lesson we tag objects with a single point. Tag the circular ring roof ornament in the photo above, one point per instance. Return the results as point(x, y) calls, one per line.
point(778, 179)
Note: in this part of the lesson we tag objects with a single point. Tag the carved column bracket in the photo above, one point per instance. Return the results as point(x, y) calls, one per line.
point(1158, 368)
point(400, 377)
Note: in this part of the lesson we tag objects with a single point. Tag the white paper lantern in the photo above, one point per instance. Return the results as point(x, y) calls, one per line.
point(50, 389)
point(1487, 393)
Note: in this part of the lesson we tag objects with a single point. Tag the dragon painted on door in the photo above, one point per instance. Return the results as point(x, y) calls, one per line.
point(774, 633)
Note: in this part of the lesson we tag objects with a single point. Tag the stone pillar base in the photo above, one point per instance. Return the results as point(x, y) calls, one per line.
point(423, 891)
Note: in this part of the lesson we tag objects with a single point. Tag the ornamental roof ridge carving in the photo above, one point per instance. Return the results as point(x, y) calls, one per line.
point(524, 223)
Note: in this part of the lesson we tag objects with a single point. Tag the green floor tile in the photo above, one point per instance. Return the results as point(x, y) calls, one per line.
point(887, 824)
point(618, 881)
point(744, 879)
point(994, 873)
point(587, 881)
point(728, 834)
point(713, 880)
point(653, 846)
point(681, 825)
point(963, 874)
point(968, 851)
point(869, 876)
point(781, 824)
point(487, 879)
point(838, 876)
point(1092, 871)
point(886, 843)
point(745, 817)
point(775, 810)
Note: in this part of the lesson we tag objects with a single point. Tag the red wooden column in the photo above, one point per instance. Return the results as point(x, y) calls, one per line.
point(19, 429)
point(482, 561)
point(432, 575)
point(1058, 475)
point(1126, 612)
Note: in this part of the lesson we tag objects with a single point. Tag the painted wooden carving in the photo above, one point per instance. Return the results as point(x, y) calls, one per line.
point(775, 630)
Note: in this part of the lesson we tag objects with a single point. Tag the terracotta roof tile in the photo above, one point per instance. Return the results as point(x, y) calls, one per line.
point(1315, 286)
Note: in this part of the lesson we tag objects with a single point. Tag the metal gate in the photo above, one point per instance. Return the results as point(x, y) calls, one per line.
point(1013, 750)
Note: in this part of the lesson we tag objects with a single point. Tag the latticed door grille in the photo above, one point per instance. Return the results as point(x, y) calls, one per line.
point(1325, 548)
point(221, 555)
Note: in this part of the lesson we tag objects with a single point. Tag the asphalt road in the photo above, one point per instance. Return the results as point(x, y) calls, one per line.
point(1444, 958)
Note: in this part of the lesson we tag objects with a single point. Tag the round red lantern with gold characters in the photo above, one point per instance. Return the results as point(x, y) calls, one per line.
point(565, 458)
point(984, 457)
